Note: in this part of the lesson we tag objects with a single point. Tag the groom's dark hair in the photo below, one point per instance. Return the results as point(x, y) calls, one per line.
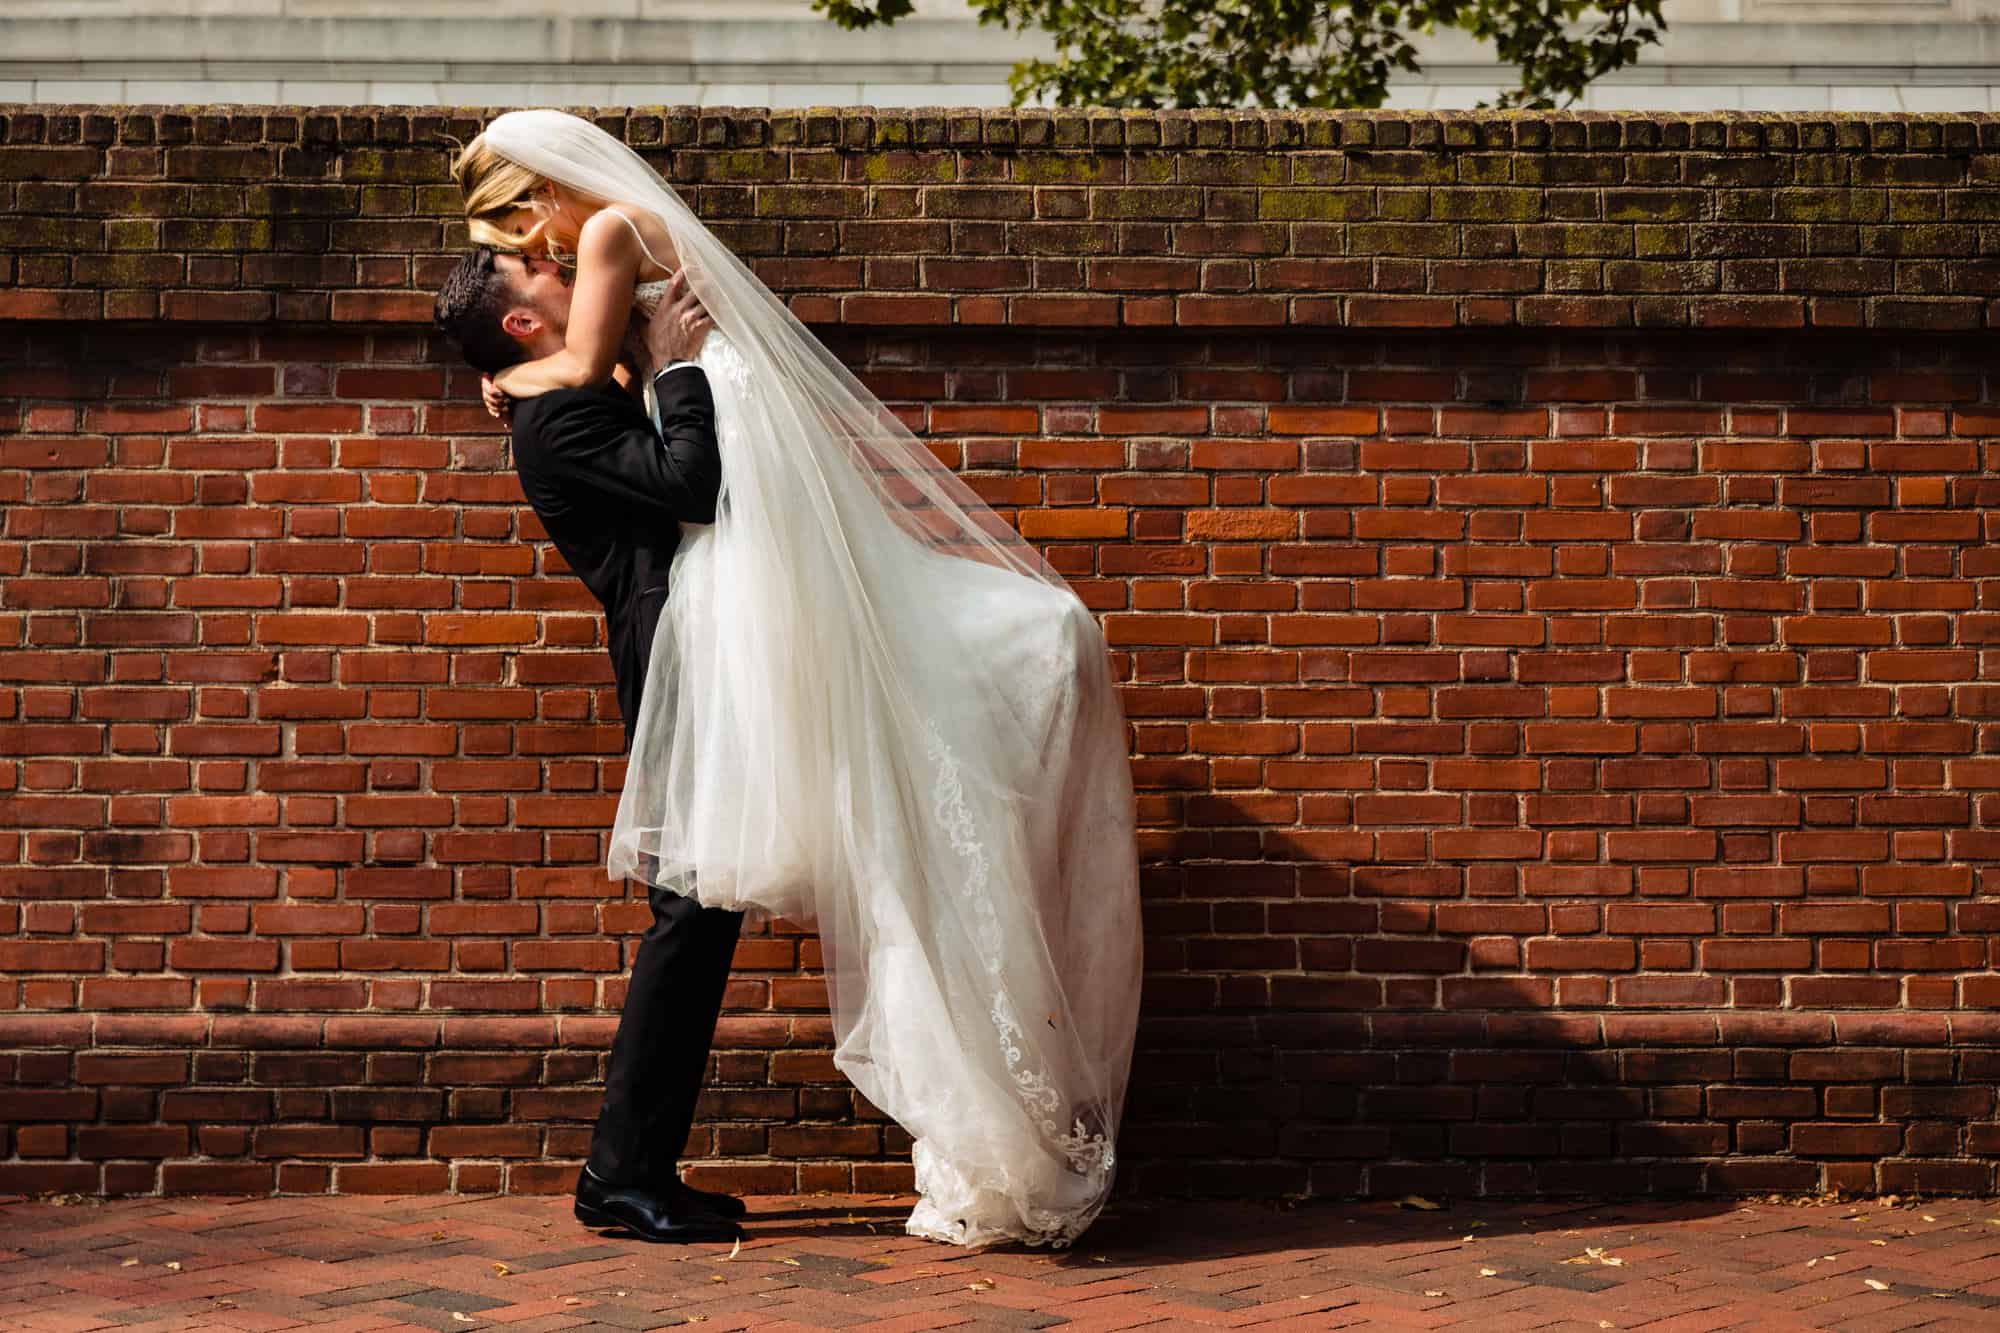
point(469, 309)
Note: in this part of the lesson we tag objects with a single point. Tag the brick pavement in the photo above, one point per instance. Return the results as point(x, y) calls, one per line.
point(521, 1263)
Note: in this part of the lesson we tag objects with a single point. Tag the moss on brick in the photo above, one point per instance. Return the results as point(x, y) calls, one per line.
point(1487, 205)
point(1323, 205)
point(1402, 168)
point(1066, 169)
point(932, 168)
point(217, 234)
point(365, 189)
point(411, 165)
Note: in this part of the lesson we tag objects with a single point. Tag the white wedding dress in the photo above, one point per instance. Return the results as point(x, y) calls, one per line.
point(873, 709)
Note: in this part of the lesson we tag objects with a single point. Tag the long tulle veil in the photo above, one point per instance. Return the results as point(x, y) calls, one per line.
point(912, 484)
point(873, 707)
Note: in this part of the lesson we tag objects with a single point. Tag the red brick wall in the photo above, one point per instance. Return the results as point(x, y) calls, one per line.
point(1567, 755)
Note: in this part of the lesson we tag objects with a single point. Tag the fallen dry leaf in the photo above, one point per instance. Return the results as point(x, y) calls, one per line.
point(1878, 1242)
point(1420, 1203)
point(461, 1316)
point(983, 1284)
point(1489, 1272)
point(1928, 1218)
point(1872, 1283)
point(792, 1262)
point(174, 1264)
point(1433, 1293)
point(129, 1263)
point(437, 1235)
point(1595, 1255)
point(500, 1269)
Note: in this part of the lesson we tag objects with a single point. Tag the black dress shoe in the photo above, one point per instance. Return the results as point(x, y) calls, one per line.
point(647, 1214)
point(708, 1201)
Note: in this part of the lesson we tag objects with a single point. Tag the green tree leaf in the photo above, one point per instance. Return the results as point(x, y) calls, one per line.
point(1291, 53)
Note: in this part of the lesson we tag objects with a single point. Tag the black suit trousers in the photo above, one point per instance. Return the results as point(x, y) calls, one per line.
point(659, 1057)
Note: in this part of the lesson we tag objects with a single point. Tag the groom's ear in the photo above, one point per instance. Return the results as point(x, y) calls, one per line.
point(521, 322)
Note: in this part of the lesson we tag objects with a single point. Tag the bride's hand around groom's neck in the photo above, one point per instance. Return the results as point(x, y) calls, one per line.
point(498, 404)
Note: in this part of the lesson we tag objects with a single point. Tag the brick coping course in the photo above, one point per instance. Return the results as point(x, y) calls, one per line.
point(1072, 219)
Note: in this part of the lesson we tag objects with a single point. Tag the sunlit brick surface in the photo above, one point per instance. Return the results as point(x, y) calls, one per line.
point(1548, 561)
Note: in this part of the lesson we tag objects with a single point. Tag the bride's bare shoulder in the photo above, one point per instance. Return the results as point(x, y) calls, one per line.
point(654, 238)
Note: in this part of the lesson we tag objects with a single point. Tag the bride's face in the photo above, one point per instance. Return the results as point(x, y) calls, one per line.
point(523, 221)
point(563, 213)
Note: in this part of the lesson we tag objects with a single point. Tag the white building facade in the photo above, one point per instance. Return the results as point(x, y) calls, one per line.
point(1751, 55)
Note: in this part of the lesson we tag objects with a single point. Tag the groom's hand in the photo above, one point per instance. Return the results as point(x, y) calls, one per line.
point(678, 326)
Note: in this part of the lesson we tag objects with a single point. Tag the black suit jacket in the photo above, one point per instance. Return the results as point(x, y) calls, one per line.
point(613, 494)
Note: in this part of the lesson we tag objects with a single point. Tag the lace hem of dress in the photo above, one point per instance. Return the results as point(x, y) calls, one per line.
point(1088, 1152)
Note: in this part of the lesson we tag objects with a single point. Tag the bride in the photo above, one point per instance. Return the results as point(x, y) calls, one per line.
point(871, 708)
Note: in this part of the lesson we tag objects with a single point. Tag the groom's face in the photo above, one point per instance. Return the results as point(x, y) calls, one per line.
point(541, 295)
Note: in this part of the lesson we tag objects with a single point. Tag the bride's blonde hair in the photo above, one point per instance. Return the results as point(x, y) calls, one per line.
point(495, 186)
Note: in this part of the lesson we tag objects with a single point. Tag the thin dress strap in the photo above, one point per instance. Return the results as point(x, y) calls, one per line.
point(640, 236)
point(652, 400)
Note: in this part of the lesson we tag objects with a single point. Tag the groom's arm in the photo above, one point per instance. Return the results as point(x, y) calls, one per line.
point(588, 443)
point(687, 429)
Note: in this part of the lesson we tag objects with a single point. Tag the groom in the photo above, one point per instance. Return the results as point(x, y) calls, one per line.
point(612, 491)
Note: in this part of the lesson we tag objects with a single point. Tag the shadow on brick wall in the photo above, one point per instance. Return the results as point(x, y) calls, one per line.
point(1351, 1076)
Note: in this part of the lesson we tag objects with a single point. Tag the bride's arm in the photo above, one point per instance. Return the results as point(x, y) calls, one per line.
point(607, 267)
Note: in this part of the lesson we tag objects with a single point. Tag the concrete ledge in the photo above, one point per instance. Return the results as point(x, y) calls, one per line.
point(796, 37)
point(785, 55)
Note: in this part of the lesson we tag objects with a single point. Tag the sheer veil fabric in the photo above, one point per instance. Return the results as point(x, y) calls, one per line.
point(874, 709)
